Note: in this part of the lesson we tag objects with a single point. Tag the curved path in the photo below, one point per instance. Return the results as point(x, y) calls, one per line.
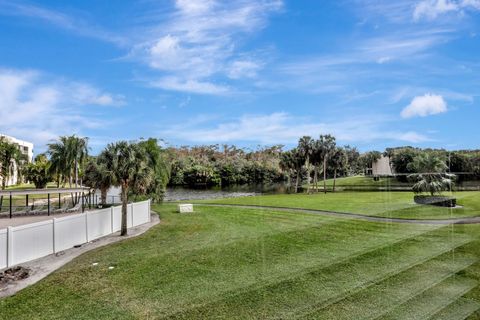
point(466, 220)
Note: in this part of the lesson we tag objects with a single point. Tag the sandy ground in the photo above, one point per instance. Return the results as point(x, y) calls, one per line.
point(42, 267)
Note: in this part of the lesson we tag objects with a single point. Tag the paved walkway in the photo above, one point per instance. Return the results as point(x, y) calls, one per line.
point(468, 220)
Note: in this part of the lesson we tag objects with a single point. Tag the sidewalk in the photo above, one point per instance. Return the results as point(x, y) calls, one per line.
point(42, 267)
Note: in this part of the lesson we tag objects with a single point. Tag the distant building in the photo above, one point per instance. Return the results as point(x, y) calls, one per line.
point(381, 167)
point(26, 148)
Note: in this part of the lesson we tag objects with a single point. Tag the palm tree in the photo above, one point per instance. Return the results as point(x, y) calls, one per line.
point(59, 162)
point(98, 177)
point(338, 161)
point(157, 161)
point(11, 159)
point(316, 160)
point(67, 155)
point(287, 164)
point(305, 149)
point(430, 174)
point(128, 166)
point(327, 145)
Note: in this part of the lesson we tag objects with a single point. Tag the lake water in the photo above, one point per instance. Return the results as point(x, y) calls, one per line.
point(204, 193)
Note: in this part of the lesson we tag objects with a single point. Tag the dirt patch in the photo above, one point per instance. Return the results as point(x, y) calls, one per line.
point(12, 275)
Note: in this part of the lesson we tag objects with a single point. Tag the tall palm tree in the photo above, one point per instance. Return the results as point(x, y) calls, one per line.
point(305, 149)
point(327, 145)
point(67, 155)
point(128, 166)
point(298, 162)
point(431, 175)
point(59, 162)
point(78, 152)
point(98, 177)
point(157, 162)
point(60, 157)
point(287, 164)
point(338, 161)
point(315, 160)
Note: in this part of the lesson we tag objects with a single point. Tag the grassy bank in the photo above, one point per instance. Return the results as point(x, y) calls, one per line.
point(384, 204)
point(230, 263)
point(363, 181)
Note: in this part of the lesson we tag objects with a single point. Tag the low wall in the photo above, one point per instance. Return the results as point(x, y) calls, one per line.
point(32, 241)
point(439, 201)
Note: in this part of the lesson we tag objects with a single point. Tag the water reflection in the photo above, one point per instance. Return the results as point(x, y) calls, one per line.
point(178, 193)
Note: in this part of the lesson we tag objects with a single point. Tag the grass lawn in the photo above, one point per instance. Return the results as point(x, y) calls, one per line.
point(20, 200)
point(29, 186)
point(363, 181)
point(359, 183)
point(385, 204)
point(232, 263)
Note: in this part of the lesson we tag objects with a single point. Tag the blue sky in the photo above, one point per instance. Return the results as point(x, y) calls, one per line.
point(248, 72)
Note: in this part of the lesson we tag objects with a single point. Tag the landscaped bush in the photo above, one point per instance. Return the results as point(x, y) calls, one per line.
point(439, 201)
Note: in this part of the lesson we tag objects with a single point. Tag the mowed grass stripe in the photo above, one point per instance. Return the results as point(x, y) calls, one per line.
point(243, 264)
point(459, 310)
point(152, 271)
point(384, 204)
point(213, 271)
point(383, 297)
point(197, 237)
point(325, 285)
point(433, 300)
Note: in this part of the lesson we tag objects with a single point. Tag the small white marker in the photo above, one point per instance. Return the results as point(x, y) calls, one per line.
point(95, 264)
point(110, 268)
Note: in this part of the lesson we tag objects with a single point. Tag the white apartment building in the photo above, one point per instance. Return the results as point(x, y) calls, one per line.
point(26, 148)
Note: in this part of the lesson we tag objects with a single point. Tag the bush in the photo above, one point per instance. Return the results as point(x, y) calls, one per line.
point(439, 201)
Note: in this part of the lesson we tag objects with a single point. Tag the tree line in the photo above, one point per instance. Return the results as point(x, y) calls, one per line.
point(68, 162)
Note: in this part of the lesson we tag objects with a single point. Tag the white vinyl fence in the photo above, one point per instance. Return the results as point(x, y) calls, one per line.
point(32, 241)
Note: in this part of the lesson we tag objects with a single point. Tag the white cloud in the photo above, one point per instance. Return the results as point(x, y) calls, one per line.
point(432, 9)
point(282, 128)
point(38, 108)
point(422, 106)
point(383, 60)
point(243, 69)
point(85, 94)
point(200, 41)
point(471, 3)
point(190, 85)
point(59, 19)
point(413, 137)
point(194, 6)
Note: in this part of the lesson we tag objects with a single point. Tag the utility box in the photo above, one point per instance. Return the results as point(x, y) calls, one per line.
point(185, 208)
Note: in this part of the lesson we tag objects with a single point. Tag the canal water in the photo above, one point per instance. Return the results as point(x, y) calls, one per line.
point(180, 193)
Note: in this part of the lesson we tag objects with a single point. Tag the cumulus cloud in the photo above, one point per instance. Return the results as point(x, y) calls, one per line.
point(422, 106)
point(38, 108)
point(199, 41)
